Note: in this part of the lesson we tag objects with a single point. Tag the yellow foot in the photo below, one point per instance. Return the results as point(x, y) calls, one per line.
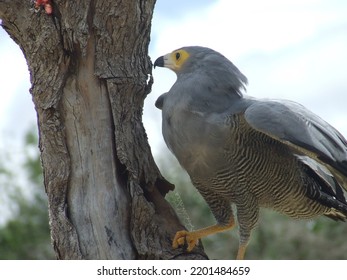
point(192, 238)
point(185, 237)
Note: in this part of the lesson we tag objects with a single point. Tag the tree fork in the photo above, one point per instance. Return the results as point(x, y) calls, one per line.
point(90, 73)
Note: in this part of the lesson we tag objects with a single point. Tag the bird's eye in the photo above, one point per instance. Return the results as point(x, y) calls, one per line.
point(178, 55)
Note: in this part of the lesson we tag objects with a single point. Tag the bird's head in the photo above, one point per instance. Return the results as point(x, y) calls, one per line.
point(203, 63)
point(186, 59)
point(175, 60)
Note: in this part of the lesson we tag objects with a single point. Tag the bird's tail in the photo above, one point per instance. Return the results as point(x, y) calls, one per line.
point(326, 189)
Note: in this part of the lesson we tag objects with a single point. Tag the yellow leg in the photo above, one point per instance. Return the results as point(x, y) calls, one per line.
point(241, 252)
point(192, 238)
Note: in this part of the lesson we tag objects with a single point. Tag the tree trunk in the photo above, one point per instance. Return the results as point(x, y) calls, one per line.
point(90, 73)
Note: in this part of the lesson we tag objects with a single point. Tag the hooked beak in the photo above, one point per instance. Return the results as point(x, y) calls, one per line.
point(159, 62)
point(166, 61)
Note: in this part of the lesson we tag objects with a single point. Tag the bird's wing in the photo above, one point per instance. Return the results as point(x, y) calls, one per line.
point(305, 132)
point(160, 101)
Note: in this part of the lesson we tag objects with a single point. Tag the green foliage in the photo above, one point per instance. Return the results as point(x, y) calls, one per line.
point(276, 237)
point(25, 235)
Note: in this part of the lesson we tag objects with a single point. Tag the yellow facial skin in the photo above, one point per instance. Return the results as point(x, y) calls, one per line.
point(175, 59)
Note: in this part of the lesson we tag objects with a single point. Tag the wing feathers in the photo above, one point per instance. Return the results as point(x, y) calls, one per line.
point(305, 132)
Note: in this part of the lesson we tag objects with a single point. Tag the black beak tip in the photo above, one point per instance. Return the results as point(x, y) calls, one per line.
point(159, 62)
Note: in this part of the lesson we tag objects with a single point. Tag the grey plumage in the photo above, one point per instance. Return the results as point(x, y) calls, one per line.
point(250, 152)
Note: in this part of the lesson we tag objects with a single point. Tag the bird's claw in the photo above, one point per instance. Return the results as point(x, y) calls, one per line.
point(185, 237)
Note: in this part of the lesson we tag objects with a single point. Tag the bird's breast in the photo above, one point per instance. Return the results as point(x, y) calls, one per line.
point(194, 141)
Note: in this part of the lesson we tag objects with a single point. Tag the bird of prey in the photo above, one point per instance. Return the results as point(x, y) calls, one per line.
point(245, 151)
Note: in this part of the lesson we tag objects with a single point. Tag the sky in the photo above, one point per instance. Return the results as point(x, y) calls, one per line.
point(293, 50)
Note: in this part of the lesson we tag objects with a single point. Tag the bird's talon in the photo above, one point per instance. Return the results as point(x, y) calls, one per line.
point(184, 237)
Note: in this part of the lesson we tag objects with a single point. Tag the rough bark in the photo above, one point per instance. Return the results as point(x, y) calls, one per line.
point(90, 73)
